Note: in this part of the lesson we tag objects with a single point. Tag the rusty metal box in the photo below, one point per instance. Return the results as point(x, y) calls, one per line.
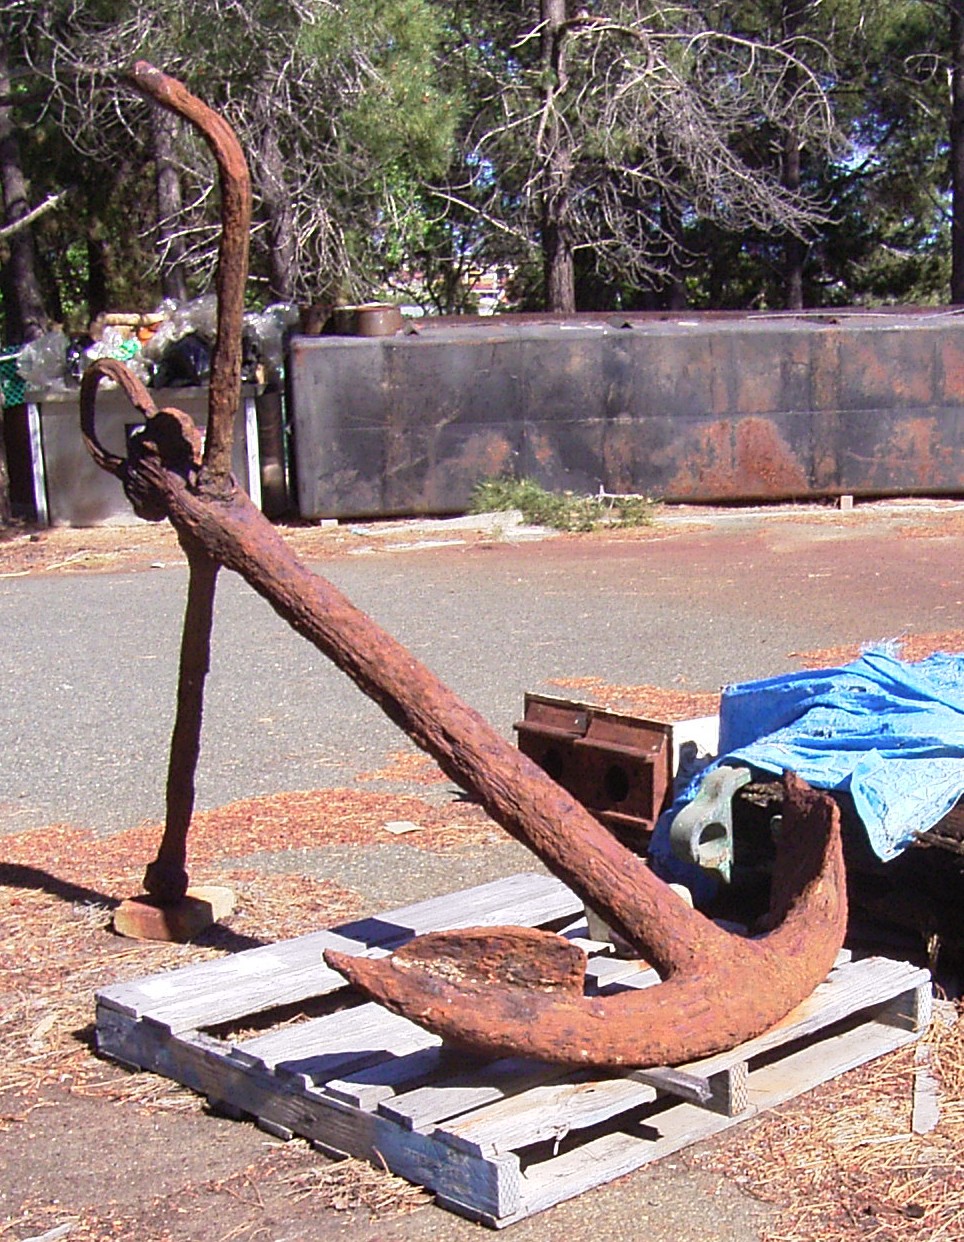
point(620, 767)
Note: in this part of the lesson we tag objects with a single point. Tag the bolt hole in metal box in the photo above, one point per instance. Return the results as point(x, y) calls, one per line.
point(622, 768)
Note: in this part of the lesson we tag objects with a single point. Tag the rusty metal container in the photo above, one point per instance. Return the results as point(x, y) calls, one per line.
point(699, 409)
point(370, 319)
point(620, 767)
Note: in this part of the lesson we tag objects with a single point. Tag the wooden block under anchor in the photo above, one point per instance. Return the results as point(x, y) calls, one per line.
point(143, 918)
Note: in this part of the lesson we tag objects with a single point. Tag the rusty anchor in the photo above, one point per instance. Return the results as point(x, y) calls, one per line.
point(508, 991)
point(494, 990)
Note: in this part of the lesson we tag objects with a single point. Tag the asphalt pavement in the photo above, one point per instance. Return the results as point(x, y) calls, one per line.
point(88, 663)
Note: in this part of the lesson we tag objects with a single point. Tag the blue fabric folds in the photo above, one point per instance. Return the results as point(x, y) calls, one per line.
point(889, 733)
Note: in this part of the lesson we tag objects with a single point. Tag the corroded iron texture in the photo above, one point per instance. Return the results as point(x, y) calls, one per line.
point(172, 436)
point(492, 999)
point(235, 185)
point(511, 990)
point(699, 409)
point(618, 766)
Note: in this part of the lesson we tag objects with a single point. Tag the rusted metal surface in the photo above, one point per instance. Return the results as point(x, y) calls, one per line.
point(697, 409)
point(172, 436)
point(618, 766)
point(166, 878)
point(719, 989)
point(728, 990)
point(741, 457)
point(232, 273)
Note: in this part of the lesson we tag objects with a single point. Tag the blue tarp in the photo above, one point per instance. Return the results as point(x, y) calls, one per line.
point(891, 734)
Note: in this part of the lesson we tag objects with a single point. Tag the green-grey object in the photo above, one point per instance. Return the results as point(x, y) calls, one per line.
point(702, 832)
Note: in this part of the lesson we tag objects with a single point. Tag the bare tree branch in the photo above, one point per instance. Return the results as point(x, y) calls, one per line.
point(34, 214)
point(635, 109)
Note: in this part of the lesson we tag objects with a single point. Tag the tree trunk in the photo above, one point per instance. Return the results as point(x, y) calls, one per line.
point(795, 250)
point(24, 315)
point(5, 512)
point(558, 268)
point(957, 150)
point(557, 259)
point(164, 127)
point(276, 200)
point(22, 299)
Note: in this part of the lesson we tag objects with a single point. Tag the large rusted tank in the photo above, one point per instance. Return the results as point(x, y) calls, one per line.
point(692, 408)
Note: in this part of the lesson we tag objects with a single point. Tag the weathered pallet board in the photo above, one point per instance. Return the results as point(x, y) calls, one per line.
point(495, 1140)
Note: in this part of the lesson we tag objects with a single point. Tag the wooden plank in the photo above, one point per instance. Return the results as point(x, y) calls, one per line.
point(600, 1160)
point(676, 1082)
point(820, 1061)
point(529, 899)
point(243, 1089)
point(349, 1039)
point(214, 992)
point(252, 986)
point(728, 1090)
point(366, 1088)
point(544, 1112)
point(226, 982)
point(429, 1105)
point(926, 1109)
point(845, 991)
point(911, 1010)
point(606, 975)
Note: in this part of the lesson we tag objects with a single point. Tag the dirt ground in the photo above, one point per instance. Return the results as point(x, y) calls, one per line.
point(92, 1151)
point(101, 1152)
point(136, 545)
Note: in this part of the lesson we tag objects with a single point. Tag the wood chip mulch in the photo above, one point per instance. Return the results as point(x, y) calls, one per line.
point(410, 766)
point(247, 1203)
point(842, 1162)
point(284, 821)
point(838, 1163)
point(352, 1185)
point(943, 524)
point(131, 546)
point(98, 549)
point(60, 884)
point(57, 949)
point(910, 647)
point(652, 702)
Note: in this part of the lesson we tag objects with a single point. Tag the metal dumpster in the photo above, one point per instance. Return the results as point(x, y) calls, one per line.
point(693, 408)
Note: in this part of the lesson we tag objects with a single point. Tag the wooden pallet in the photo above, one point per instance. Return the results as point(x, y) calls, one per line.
point(496, 1141)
